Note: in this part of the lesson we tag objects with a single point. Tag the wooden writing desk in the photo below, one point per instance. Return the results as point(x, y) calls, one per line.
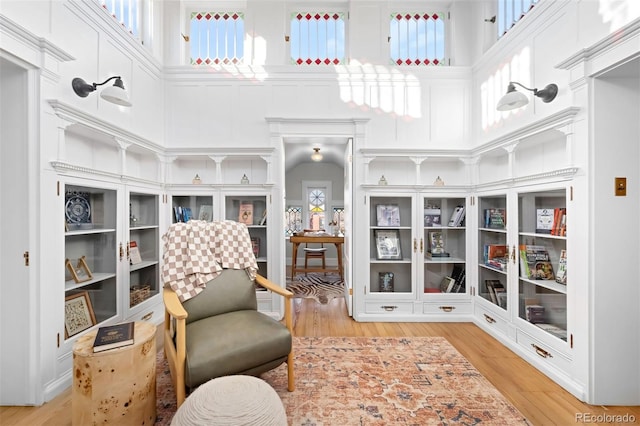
point(296, 240)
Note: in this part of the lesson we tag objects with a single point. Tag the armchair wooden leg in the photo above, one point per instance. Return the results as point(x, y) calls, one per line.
point(291, 385)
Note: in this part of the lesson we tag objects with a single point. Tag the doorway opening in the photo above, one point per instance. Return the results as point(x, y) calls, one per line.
point(318, 199)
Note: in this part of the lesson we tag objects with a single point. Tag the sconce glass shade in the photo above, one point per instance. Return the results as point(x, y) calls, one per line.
point(116, 94)
point(316, 156)
point(512, 100)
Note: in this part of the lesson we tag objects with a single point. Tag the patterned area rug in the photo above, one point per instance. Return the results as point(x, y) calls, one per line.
point(317, 286)
point(377, 381)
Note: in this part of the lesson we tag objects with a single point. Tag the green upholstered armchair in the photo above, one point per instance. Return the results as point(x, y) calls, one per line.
point(220, 332)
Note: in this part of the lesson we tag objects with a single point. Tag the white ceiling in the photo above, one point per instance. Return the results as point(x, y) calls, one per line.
point(298, 150)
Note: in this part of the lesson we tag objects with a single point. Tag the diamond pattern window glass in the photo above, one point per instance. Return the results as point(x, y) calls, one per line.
point(417, 38)
point(317, 208)
point(216, 38)
point(317, 38)
point(510, 12)
point(292, 220)
point(126, 12)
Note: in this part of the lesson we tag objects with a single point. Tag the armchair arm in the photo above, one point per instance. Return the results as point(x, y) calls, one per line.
point(288, 320)
point(172, 304)
point(176, 353)
point(271, 286)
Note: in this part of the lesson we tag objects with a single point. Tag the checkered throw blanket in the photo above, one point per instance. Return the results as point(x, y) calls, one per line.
point(197, 251)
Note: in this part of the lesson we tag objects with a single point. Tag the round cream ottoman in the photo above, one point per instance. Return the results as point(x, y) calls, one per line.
point(232, 400)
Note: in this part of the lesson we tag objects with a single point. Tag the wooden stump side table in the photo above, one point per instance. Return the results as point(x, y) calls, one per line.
point(117, 386)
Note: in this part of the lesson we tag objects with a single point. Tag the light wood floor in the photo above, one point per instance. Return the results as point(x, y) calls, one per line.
point(539, 399)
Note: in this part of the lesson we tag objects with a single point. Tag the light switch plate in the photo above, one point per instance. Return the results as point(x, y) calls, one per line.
point(621, 187)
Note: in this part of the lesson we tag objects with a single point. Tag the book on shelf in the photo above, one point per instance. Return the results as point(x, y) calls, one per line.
point(245, 213)
point(436, 243)
point(559, 222)
point(446, 285)
point(114, 336)
point(457, 216)
point(255, 245)
point(186, 214)
point(561, 272)
point(544, 220)
point(495, 218)
point(386, 282)
point(535, 263)
point(177, 212)
point(432, 216)
point(493, 288)
point(535, 313)
point(458, 274)
point(263, 221)
point(134, 253)
point(430, 255)
point(496, 256)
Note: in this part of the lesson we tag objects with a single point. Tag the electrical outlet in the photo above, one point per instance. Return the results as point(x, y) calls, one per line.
point(621, 187)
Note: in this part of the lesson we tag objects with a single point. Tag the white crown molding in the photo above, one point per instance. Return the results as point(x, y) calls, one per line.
point(30, 50)
point(554, 121)
point(627, 36)
point(220, 153)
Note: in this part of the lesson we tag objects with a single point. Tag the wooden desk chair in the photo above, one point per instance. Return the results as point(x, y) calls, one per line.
point(314, 252)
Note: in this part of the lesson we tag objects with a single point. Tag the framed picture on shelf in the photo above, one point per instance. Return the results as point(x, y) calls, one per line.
point(387, 244)
point(388, 215)
point(78, 313)
point(385, 280)
point(206, 213)
point(245, 214)
point(81, 272)
point(436, 243)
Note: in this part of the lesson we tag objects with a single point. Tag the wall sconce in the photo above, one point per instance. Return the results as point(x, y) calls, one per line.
point(514, 99)
point(115, 94)
point(316, 156)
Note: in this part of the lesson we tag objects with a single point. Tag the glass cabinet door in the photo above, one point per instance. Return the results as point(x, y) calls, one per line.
point(443, 243)
point(90, 286)
point(392, 244)
point(542, 278)
point(143, 250)
point(493, 255)
point(252, 211)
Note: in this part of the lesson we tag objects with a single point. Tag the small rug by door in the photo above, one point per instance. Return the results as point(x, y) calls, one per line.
point(376, 381)
point(316, 286)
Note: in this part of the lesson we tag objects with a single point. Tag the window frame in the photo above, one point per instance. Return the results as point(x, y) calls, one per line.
point(316, 8)
point(307, 187)
point(501, 26)
point(410, 10)
point(191, 7)
point(141, 6)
